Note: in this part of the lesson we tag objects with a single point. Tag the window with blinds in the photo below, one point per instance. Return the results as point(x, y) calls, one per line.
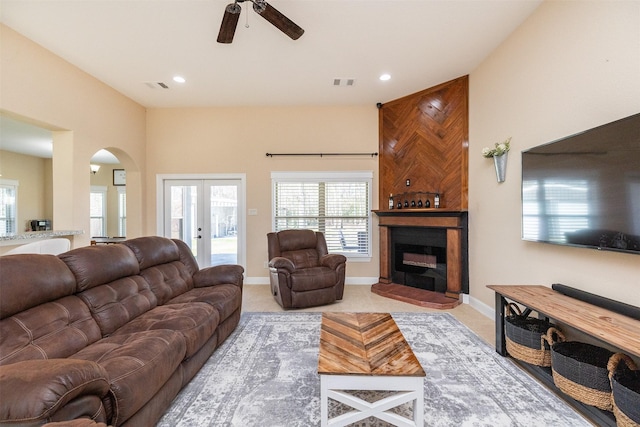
point(553, 208)
point(8, 206)
point(336, 203)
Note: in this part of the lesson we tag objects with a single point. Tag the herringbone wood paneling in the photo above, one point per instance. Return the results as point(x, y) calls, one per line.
point(424, 138)
point(364, 344)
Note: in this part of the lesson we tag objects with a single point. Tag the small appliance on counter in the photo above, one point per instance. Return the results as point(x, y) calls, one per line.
point(40, 224)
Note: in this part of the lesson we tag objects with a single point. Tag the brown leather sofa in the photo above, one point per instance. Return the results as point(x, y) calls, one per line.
point(109, 333)
point(302, 272)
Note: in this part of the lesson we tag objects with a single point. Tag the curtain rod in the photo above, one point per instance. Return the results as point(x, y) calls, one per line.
point(322, 154)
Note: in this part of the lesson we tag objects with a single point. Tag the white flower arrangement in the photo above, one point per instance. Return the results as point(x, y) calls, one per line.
point(500, 149)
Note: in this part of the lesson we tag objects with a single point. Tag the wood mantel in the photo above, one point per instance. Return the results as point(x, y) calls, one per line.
point(455, 223)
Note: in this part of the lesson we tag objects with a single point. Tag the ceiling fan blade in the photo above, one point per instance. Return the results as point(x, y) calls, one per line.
point(276, 18)
point(229, 23)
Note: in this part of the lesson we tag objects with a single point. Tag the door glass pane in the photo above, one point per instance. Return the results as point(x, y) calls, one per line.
point(184, 215)
point(223, 200)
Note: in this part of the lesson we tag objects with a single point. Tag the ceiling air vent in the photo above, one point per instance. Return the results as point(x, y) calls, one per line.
point(157, 85)
point(344, 82)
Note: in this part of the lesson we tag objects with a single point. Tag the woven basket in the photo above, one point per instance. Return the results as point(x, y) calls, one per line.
point(526, 337)
point(580, 371)
point(625, 389)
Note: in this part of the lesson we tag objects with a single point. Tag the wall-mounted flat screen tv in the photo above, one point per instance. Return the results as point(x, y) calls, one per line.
point(584, 190)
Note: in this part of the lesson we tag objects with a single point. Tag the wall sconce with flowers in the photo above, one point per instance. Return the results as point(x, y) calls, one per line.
point(94, 168)
point(499, 154)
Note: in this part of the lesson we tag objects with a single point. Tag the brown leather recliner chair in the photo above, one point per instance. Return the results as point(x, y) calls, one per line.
point(302, 272)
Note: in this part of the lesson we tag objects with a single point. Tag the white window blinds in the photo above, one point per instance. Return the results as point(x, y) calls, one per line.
point(336, 203)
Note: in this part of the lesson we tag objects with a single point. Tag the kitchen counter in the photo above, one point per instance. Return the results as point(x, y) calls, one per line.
point(30, 236)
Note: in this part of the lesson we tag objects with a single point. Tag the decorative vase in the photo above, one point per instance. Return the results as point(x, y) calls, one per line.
point(500, 163)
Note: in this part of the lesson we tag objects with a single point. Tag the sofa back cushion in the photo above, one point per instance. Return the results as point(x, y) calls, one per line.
point(303, 247)
point(40, 317)
point(96, 265)
point(168, 270)
point(28, 280)
point(110, 285)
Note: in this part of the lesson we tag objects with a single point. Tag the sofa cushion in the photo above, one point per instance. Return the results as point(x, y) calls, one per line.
point(116, 303)
point(138, 365)
point(226, 299)
point(161, 264)
point(294, 240)
point(313, 278)
point(96, 265)
point(56, 329)
point(303, 258)
point(197, 323)
point(28, 280)
point(153, 250)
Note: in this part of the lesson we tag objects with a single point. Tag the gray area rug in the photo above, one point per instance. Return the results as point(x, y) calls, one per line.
point(265, 374)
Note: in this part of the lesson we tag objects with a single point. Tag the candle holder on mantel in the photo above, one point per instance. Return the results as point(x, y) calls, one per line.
point(414, 200)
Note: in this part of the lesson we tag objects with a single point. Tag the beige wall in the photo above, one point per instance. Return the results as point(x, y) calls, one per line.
point(570, 67)
point(34, 193)
point(85, 115)
point(236, 140)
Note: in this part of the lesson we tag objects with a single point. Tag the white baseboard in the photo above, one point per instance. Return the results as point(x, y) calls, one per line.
point(365, 281)
point(482, 307)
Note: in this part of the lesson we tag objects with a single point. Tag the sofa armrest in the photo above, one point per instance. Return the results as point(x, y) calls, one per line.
point(35, 390)
point(282, 262)
point(218, 275)
point(333, 260)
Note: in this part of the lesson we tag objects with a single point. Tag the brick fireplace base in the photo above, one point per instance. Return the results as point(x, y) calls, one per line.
point(415, 296)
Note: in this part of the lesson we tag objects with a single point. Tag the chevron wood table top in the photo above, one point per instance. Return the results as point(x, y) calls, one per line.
point(364, 344)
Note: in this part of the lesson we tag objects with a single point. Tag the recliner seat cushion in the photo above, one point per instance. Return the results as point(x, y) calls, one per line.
point(138, 365)
point(314, 278)
point(196, 322)
point(226, 299)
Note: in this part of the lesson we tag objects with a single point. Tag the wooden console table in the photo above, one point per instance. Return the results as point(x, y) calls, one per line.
point(609, 327)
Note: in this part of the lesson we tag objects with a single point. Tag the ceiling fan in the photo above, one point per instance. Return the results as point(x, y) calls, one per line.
point(262, 8)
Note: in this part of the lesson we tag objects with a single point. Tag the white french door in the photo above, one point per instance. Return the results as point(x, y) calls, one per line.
point(208, 215)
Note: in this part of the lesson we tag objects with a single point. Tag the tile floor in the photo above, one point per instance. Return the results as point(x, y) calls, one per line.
point(359, 298)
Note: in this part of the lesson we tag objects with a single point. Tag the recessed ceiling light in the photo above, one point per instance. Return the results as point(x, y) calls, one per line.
point(385, 77)
point(179, 79)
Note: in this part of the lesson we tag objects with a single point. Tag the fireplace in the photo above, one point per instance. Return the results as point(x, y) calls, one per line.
point(423, 250)
point(419, 257)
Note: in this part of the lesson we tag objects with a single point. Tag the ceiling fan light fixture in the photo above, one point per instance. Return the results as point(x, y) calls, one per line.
point(259, 6)
point(262, 8)
point(229, 23)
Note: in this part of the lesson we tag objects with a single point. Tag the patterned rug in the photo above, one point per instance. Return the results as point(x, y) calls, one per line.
point(265, 375)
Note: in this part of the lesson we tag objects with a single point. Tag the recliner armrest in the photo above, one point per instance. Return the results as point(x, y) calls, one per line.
point(333, 260)
point(282, 262)
point(37, 389)
point(218, 275)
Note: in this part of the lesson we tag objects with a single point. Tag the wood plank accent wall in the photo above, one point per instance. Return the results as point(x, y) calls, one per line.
point(424, 137)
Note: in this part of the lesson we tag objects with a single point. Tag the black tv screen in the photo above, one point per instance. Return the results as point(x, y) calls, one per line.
point(584, 190)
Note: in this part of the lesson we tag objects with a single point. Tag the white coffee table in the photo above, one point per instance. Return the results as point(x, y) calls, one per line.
point(367, 351)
